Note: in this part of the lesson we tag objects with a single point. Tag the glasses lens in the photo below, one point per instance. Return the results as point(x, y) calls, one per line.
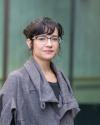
point(41, 38)
point(44, 38)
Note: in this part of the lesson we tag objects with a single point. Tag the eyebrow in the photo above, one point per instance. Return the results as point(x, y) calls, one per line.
point(47, 35)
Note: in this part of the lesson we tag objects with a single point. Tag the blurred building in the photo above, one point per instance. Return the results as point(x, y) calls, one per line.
point(79, 57)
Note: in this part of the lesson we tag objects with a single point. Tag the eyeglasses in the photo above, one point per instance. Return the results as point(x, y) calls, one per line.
point(44, 38)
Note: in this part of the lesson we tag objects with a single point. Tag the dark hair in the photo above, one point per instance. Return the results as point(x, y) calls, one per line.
point(43, 25)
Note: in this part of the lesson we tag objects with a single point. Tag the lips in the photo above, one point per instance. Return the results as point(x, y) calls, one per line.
point(48, 51)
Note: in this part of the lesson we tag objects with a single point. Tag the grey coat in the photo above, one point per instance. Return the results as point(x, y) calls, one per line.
point(27, 98)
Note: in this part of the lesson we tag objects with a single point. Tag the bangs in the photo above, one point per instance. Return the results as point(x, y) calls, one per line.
point(43, 28)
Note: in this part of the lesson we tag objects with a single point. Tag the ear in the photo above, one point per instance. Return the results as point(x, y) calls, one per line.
point(29, 43)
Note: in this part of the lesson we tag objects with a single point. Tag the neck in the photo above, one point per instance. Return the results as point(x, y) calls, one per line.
point(44, 65)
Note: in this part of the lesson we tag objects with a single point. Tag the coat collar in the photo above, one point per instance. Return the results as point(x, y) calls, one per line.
point(40, 82)
point(46, 94)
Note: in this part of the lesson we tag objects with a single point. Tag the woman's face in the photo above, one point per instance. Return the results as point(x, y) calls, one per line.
point(45, 47)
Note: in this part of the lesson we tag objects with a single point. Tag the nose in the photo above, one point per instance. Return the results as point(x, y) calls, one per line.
point(49, 43)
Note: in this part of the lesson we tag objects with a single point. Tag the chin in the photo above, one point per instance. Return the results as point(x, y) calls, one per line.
point(48, 58)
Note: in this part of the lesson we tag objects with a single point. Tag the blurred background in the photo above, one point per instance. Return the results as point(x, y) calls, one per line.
point(79, 58)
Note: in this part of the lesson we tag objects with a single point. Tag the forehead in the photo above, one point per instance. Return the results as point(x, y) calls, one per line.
point(55, 32)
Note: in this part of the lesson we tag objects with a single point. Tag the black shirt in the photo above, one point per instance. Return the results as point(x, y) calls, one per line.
point(56, 89)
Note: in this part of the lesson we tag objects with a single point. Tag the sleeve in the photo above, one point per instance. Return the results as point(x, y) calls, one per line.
point(7, 101)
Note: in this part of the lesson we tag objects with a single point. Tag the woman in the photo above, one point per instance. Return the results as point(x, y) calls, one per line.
point(37, 93)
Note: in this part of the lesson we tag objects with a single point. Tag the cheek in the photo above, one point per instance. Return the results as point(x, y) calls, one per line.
point(37, 48)
point(57, 48)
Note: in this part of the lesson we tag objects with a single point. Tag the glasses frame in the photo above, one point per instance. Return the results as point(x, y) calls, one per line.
point(46, 38)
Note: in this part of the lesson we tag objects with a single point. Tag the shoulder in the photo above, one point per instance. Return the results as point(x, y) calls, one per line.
point(18, 74)
point(13, 80)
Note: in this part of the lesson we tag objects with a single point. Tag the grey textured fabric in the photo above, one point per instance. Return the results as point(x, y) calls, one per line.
point(26, 97)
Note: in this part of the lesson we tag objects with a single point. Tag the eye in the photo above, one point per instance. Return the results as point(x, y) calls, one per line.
point(41, 38)
point(54, 38)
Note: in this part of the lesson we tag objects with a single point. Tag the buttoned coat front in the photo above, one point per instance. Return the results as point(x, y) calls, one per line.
point(26, 98)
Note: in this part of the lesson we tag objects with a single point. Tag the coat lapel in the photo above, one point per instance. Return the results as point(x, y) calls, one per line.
point(44, 90)
point(67, 101)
